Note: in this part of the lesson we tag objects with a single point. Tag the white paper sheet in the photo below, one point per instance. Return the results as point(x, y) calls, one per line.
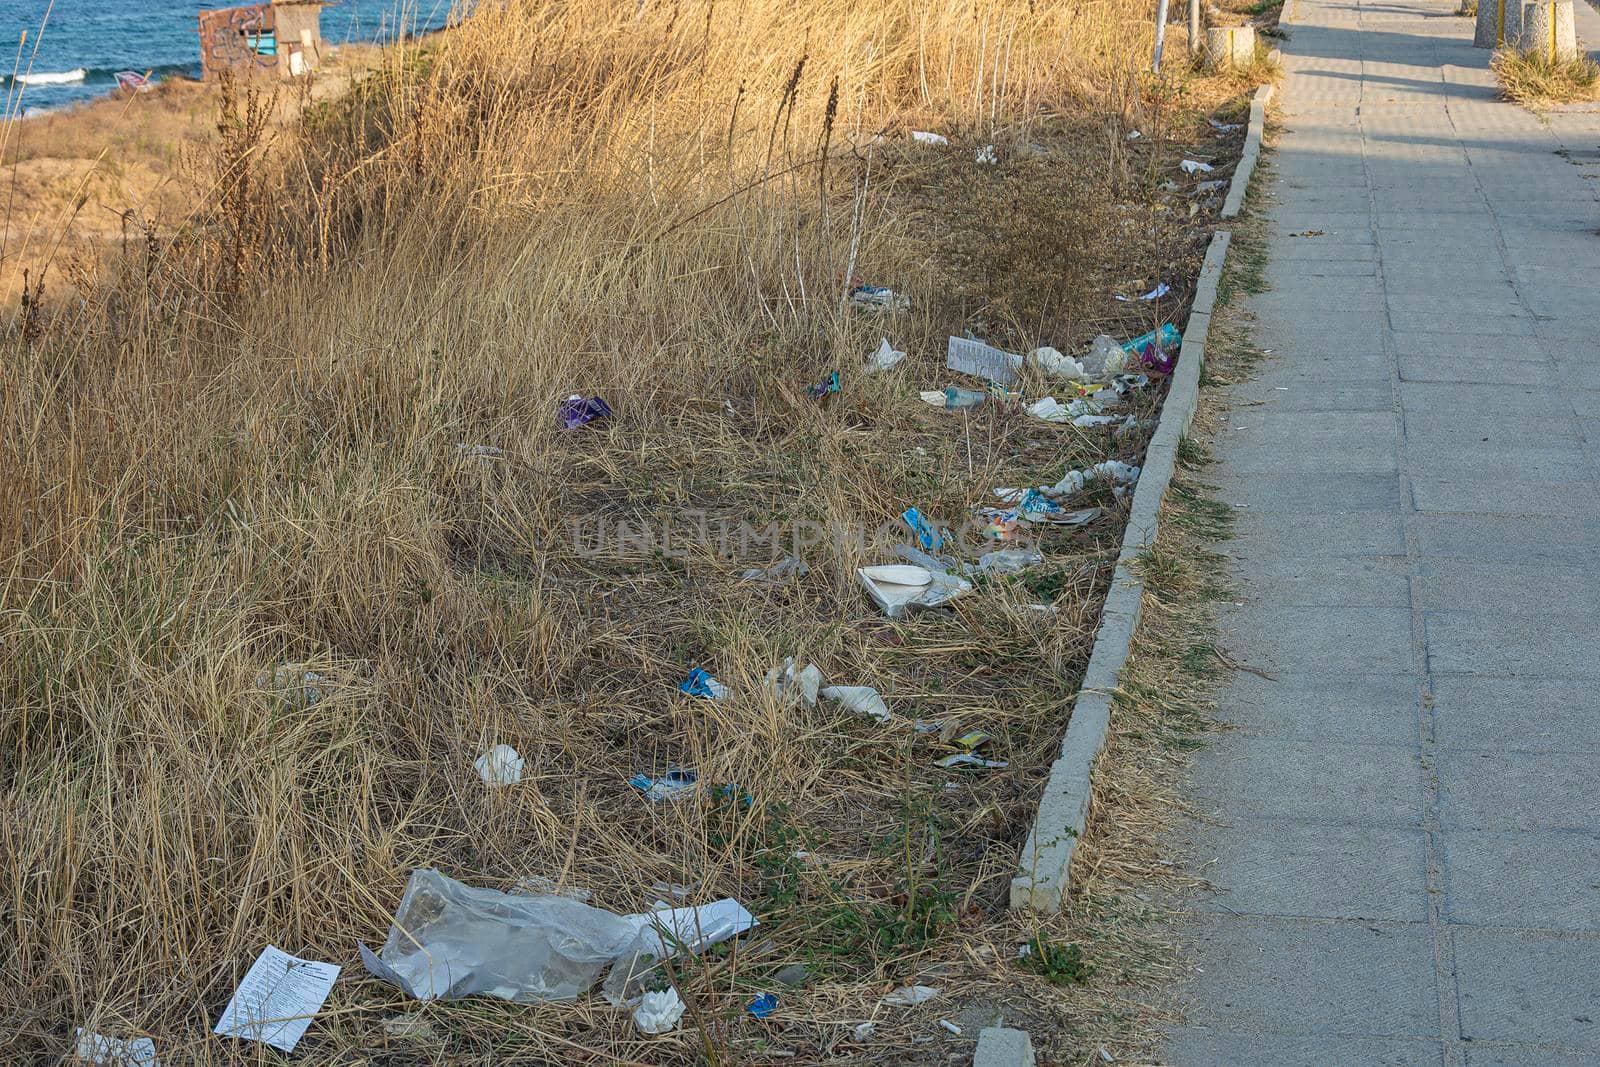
point(697, 929)
point(277, 999)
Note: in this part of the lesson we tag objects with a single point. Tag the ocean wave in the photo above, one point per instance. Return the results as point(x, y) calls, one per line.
point(106, 76)
point(53, 77)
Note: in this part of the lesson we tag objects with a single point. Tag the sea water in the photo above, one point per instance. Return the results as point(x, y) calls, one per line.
point(101, 37)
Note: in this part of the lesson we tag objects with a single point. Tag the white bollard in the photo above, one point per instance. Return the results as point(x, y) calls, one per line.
point(1230, 46)
point(1545, 28)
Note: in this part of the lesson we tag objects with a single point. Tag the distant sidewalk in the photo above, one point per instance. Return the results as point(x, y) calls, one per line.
point(1405, 852)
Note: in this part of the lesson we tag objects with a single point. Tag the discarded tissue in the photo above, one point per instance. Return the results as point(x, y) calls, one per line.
point(701, 684)
point(115, 1051)
point(862, 699)
point(924, 137)
point(885, 358)
point(277, 999)
point(451, 940)
point(897, 588)
point(499, 767)
point(658, 1013)
point(577, 410)
point(967, 356)
point(909, 996)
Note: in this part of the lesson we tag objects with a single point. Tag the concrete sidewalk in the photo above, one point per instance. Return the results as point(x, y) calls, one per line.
point(1406, 844)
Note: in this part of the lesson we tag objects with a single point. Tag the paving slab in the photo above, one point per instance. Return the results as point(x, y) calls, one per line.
point(1400, 831)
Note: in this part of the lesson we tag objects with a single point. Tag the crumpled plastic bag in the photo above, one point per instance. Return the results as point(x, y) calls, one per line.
point(897, 589)
point(450, 940)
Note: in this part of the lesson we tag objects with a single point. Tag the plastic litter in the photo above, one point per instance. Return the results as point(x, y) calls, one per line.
point(862, 699)
point(909, 996)
point(986, 154)
point(863, 1031)
point(298, 687)
point(1134, 135)
point(762, 1006)
point(950, 1026)
point(969, 759)
point(499, 767)
point(1111, 470)
point(786, 683)
point(115, 1051)
point(701, 684)
point(658, 1013)
point(1224, 127)
point(936, 397)
point(1057, 365)
point(676, 782)
point(824, 389)
point(1215, 186)
point(1157, 359)
point(1166, 337)
point(961, 399)
point(451, 940)
point(967, 356)
point(1194, 166)
point(779, 573)
point(1158, 292)
point(928, 537)
point(879, 298)
point(277, 999)
point(897, 589)
point(1050, 409)
point(1105, 357)
point(924, 137)
point(480, 451)
point(1009, 560)
point(578, 410)
point(885, 358)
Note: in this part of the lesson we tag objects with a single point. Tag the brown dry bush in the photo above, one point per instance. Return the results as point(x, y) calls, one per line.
point(251, 443)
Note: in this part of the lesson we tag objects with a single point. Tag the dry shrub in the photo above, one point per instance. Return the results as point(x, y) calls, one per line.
point(251, 442)
point(1536, 80)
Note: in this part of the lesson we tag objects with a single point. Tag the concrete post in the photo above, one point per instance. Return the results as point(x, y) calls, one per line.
point(1230, 46)
point(1490, 29)
point(1194, 27)
point(1545, 27)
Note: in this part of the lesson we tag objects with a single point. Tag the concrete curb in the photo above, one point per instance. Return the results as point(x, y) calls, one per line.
point(1247, 159)
point(1042, 869)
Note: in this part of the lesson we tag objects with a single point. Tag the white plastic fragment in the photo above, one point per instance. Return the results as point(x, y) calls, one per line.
point(1158, 292)
point(885, 358)
point(966, 356)
point(277, 999)
point(935, 397)
point(658, 1013)
point(909, 996)
point(924, 137)
point(1194, 166)
point(950, 1026)
point(986, 154)
point(499, 767)
point(863, 1031)
point(1134, 135)
point(785, 682)
point(861, 699)
point(1224, 127)
point(115, 1051)
point(897, 589)
point(1053, 363)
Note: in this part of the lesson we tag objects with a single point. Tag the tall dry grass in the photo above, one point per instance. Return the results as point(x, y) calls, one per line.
point(237, 448)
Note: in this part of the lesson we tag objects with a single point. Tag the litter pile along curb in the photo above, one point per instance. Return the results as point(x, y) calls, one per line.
point(1044, 866)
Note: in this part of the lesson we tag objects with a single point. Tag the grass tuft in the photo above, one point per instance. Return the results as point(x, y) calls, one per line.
point(1536, 81)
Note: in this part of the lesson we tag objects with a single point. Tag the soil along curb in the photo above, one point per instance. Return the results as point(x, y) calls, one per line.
point(1041, 879)
point(1247, 159)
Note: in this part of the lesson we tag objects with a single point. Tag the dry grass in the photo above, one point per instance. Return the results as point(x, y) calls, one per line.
point(1536, 81)
point(236, 447)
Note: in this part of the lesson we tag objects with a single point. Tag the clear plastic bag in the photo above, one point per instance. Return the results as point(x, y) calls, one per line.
point(450, 940)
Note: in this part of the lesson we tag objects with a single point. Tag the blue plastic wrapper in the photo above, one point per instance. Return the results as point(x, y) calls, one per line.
point(763, 1006)
point(701, 684)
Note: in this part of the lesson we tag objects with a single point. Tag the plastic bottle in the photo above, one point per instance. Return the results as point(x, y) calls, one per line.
point(963, 398)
